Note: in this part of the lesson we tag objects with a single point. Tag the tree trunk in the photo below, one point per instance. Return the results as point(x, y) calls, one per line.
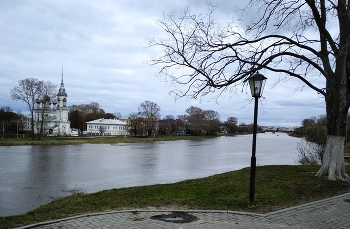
point(337, 110)
point(333, 159)
point(32, 126)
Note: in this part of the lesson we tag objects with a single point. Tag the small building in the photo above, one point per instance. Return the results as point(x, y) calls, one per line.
point(53, 113)
point(107, 127)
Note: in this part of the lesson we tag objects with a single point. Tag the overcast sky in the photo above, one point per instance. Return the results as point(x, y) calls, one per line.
point(102, 46)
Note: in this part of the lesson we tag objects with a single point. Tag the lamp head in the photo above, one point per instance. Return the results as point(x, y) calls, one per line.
point(256, 83)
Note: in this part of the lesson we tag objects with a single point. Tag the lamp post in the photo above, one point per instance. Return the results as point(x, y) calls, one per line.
point(257, 83)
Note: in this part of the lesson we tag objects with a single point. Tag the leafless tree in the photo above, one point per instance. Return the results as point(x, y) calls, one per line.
point(117, 115)
point(212, 122)
point(231, 124)
point(151, 114)
point(182, 124)
point(195, 120)
point(310, 153)
point(27, 91)
point(136, 125)
point(295, 39)
point(168, 125)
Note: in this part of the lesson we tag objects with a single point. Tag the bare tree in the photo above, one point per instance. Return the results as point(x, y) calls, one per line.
point(231, 125)
point(167, 125)
point(27, 91)
point(136, 125)
point(212, 122)
point(151, 113)
point(182, 124)
point(195, 120)
point(310, 153)
point(314, 131)
point(297, 39)
point(117, 115)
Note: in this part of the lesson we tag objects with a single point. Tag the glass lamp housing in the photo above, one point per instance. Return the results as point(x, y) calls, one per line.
point(257, 83)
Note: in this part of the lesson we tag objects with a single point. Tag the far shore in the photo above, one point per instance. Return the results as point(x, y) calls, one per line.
point(97, 140)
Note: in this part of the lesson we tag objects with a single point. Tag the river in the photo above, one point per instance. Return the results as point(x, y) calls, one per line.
point(34, 175)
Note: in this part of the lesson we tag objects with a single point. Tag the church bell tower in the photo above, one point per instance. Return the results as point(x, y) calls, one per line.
point(62, 111)
point(62, 96)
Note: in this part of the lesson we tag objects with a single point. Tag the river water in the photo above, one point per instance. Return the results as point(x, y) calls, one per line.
point(34, 175)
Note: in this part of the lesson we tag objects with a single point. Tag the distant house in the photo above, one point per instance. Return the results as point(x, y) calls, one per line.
point(106, 127)
point(26, 120)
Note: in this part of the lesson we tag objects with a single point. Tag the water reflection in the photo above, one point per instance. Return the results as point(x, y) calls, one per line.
point(34, 175)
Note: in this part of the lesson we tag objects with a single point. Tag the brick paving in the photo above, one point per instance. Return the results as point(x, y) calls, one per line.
point(329, 213)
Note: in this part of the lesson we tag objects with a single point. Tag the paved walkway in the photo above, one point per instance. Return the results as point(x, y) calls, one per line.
point(329, 213)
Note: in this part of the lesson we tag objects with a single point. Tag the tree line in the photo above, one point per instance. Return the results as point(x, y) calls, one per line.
point(10, 122)
point(314, 130)
point(78, 115)
point(196, 121)
point(147, 120)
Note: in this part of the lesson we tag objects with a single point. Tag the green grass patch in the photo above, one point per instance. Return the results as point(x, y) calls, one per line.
point(276, 187)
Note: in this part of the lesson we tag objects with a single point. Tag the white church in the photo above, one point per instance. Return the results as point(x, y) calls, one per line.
point(55, 113)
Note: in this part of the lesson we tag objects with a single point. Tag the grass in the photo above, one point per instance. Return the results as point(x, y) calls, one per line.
point(94, 140)
point(276, 187)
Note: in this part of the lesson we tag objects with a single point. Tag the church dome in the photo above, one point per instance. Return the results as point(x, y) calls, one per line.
point(46, 98)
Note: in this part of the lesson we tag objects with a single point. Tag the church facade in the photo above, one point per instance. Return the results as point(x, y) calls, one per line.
point(54, 113)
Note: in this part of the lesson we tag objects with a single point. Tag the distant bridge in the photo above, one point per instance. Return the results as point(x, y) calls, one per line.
point(278, 130)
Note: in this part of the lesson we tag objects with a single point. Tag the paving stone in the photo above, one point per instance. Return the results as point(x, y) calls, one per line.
point(329, 213)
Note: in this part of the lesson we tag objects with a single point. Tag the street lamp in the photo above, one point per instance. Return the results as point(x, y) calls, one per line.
point(257, 83)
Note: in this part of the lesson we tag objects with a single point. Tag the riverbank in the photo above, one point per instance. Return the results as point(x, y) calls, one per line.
point(277, 187)
point(95, 140)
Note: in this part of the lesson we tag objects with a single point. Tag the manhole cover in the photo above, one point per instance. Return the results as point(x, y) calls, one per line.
point(176, 217)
